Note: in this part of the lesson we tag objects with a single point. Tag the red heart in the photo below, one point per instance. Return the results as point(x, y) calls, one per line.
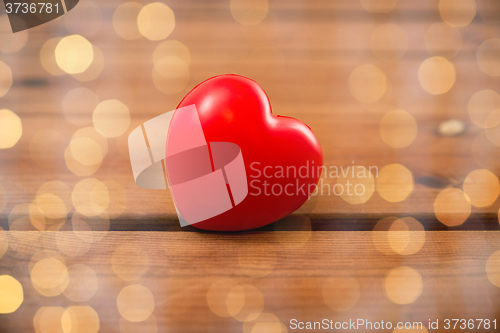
point(236, 109)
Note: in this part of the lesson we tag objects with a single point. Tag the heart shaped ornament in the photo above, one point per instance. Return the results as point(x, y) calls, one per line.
point(230, 164)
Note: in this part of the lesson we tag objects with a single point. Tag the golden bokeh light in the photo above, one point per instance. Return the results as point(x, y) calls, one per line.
point(481, 105)
point(341, 293)
point(11, 294)
point(245, 302)
point(488, 57)
point(436, 75)
point(367, 83)
point(171, 74)
point(493, 268)
point(5, 78)
point(48, 57)
point(403, 236)
point(156, 21)
point(135, 303)
point(90, 197)
point(74, 54)
point(11, 42)
point(86, 21)
point(82, 283)
point(111, 118)
point(482, 187)
point(452, 207)
point(125, 20)
point(95, 69)
point(249, 12)
point(457, 13)
point(442, 39)
point(4, 242)
point(48, 320)
point(256, 260)
point(96, 149)
point(265, 323)
point(389, 41)
point(147, 326)
point(379, 6)
point(130, 262)
point(41, 223)
point(406, 236)
point(44, 254)
point(49, 277)
point(493, 119)
point(217, 295)
point(394, 182)
point(47, 148)
point(26, 217)
point(293, 231)
point(80, 319)
point(78, 105)
point(51, 206)
point(78, 168)
point(356, 186)
point(60, 190)
point(403, 285)
point(172, 48)
point(11, 129)
point(86, 151)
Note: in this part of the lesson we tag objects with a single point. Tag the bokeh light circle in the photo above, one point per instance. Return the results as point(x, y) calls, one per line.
point(482, 187)
point(11, 129)
point(249, 12)
point(125, 20)
point(488, 57)
point(111, 118)
point(452, 207)
point(436, 75)
point(11, 294)
point(367, 83)
point(74, 54)
point(135, 303)
point(403, 285)
point(398, 128)
point(458, 13)
point(156, 21)
point(394, 182)
point(493, 268)
point(355, 186)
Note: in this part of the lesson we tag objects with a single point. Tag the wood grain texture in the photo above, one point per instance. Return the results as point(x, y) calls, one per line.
point(182, 267)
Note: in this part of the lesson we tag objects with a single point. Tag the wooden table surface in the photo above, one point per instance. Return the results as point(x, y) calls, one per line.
point(324, 261)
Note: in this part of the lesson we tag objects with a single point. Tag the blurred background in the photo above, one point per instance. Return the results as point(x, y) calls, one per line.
point(408, 90)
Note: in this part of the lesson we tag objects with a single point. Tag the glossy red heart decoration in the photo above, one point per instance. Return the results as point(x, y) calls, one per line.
point(236, 109)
